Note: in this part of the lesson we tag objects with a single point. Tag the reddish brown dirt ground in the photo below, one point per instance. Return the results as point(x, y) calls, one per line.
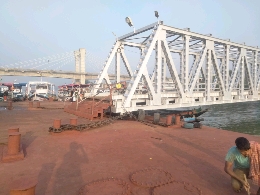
point(65, 162)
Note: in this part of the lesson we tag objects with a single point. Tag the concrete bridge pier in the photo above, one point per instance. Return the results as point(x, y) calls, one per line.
point(80, 64)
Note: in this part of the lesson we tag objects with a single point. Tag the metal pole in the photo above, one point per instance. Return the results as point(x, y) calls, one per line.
point(76, 95)
point(63, 97)
point(92, 107)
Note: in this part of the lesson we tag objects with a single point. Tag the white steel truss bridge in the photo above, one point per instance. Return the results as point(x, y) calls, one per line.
point(208, 70)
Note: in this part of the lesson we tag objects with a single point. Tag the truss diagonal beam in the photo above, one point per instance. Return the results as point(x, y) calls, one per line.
point(149, 27)
point(234, 72)
point(217, 70)
point(106, 77)
point(148, 82)
point(141, 67)
point(174, 39)
point(195, 43)
point(249, 75)
point(103, 73)
point(177, 43)
point(145, 40)
point(195, 60)
point(195, 77)
point(172, 67)
point(127, 65)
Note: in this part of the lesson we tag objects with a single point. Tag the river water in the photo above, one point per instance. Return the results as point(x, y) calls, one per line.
point(240, 117)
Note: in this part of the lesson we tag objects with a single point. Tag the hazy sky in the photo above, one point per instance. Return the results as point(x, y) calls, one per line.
point(37, 28)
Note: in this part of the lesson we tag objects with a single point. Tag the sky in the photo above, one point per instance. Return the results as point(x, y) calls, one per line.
point(34, 29)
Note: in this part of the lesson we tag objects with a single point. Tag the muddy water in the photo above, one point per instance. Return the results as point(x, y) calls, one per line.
point(239, 117)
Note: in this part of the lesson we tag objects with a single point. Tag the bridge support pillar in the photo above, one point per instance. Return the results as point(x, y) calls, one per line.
point(82, 52)
point(80, 64)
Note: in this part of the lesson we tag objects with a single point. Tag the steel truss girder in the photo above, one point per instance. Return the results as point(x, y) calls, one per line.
point(172, 68)
point(206, 50)
point(174, 39)
point(195, 76)
point(104, 72)
point(258, 81)
point(241, 78)
point(142, 70)
point(218, 68)
point(248, 75)
point(234, 72)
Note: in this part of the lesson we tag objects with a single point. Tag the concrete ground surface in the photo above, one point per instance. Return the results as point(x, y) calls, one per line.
point(63, 163)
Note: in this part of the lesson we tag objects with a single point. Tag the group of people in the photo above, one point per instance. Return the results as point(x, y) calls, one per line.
point(72, 93)
point(7, 93)
point(76, 93)
point(242, 162)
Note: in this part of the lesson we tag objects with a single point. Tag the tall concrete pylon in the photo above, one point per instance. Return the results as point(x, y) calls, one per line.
point(80, 64)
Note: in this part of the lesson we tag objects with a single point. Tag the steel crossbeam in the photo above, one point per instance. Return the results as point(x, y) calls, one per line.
point(221, 71)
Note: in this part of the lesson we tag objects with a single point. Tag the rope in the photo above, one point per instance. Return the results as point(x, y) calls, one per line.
point(36, 61)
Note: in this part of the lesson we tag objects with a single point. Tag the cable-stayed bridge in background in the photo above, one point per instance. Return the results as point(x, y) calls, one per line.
point(54, 65)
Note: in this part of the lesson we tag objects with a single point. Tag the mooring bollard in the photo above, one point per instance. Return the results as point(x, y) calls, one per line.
point(156, 118)
point(38, 105)
point(13, 129)
point(73, 121)
point(141, 114)
point(10, 105)
point(14, 143)
point(23, 186)
point(177, 119)
point(30, 104)
point(173, 119)
point(169, 120)
point(56, 123)
point(13, 151)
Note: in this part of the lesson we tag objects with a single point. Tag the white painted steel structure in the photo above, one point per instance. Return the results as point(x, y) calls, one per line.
point(209, 71)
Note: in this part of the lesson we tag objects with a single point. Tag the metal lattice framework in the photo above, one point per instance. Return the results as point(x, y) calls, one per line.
point(209, 70)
